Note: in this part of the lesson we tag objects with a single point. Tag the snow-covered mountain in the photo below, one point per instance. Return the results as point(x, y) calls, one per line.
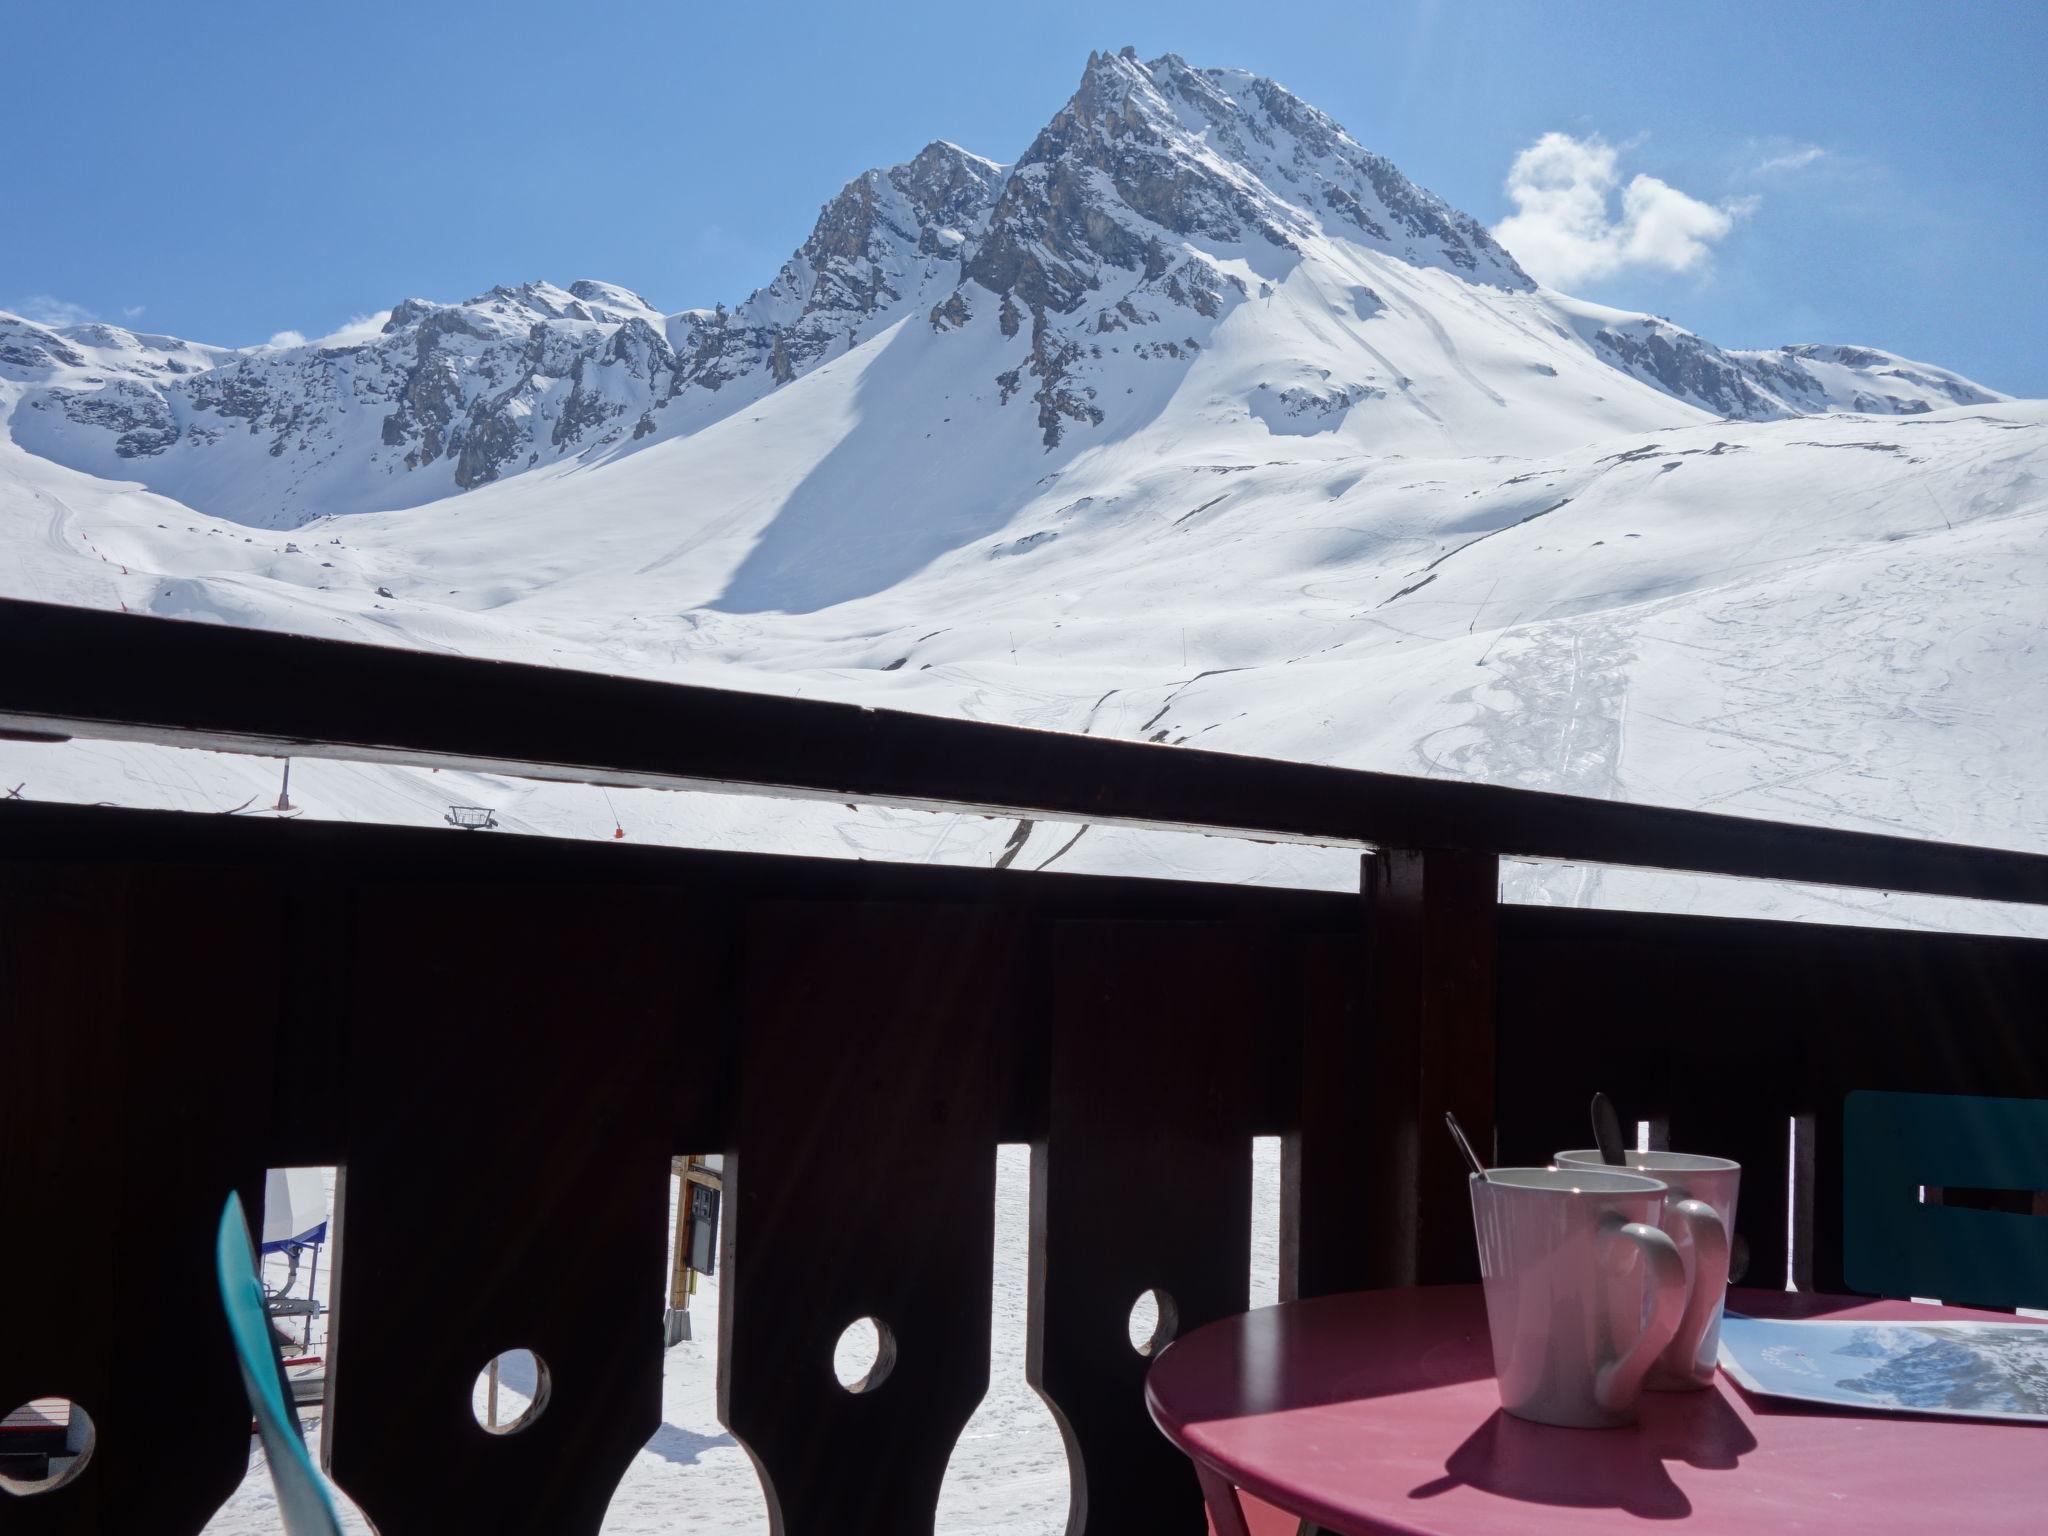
point(1197, 421)
point(1159, 201)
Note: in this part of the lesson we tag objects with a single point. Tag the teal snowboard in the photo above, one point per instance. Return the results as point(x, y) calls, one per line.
point(301, 1500)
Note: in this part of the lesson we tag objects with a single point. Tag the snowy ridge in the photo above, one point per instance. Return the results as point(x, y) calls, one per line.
point(1807, 380)
point(449, 397)
point(1815, 378)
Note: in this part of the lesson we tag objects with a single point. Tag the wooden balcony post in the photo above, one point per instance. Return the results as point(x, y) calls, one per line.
point(881, 1046)
point(510, 1075)
point(138, 1010)
point(1141, 1182)
point(1431, 917)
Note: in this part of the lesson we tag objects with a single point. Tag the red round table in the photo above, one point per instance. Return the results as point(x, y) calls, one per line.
point(1376, 1413)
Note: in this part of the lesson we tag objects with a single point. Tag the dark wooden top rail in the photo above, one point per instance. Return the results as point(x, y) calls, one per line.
point(75, 672)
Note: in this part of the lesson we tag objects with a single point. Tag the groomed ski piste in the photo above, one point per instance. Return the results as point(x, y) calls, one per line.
point(1196, 424)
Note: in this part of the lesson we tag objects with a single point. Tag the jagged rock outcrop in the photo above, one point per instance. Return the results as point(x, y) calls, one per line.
point(1805, 380)
point(1816, 377)
point(887, 246)
point(467, 391)
point(1687, 366)
point(30, 348)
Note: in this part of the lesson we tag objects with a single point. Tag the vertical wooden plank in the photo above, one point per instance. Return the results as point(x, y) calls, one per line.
point(1431, 933)
point(1905, 1031)
point(1325, 1158)
point(1160, 1035)
point(137, 1015)
point(881, 1041)
point(1751, 1123)
point(1741, 1086)
point(1695, 1022)
point(679, 1259)
point(1613, 1002)
point(510, 1074)
point(318, 920)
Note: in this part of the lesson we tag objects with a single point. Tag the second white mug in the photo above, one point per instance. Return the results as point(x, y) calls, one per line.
point(1687, 1363)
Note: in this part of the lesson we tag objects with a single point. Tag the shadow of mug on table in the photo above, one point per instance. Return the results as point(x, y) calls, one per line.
point(1544, 1464)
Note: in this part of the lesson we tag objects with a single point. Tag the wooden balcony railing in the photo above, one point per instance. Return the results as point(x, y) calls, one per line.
point(857, 1039)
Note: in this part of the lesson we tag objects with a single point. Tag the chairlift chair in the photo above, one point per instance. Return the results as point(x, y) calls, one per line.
point(295, 1228)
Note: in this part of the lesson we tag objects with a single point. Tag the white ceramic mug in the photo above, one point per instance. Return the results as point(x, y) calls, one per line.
point(1688, 1361)
point(1566, 1254)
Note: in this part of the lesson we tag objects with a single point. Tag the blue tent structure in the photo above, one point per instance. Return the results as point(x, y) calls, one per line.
point(294, 1210)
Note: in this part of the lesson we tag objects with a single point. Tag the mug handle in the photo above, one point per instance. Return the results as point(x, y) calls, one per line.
point(1616, 1383)
point(1709, 1285)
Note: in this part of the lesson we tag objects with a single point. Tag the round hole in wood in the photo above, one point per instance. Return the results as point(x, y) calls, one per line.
point(1154, 1321)
point(49, 1440)
point(511, 1391)
point(864, 1354)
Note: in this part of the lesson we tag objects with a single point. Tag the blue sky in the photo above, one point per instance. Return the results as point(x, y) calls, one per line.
point(1833, 172)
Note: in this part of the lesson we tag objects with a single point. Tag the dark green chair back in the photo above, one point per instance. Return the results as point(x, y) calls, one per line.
point(1988, 1156)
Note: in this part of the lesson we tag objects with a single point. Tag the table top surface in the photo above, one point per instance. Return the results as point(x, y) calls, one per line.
point(1376, 1412)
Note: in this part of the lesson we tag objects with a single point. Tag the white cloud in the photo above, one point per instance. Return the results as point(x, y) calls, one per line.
point(357, 330)
point(1566, 227)
point(1791, 159)
point(44, 309)
point(131, 312)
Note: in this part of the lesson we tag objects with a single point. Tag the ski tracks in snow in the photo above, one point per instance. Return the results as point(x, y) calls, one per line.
point(1549, 715)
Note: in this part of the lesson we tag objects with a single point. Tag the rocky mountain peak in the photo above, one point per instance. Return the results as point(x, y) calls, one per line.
point(889, 245)
point(1208, 154)
point(1114, 88)
point(1146, 197)
point(610, 296)
point(951, 188)
point(407, 312)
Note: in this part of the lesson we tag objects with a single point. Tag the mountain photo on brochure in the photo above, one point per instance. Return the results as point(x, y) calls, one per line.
point(1955, 1370)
